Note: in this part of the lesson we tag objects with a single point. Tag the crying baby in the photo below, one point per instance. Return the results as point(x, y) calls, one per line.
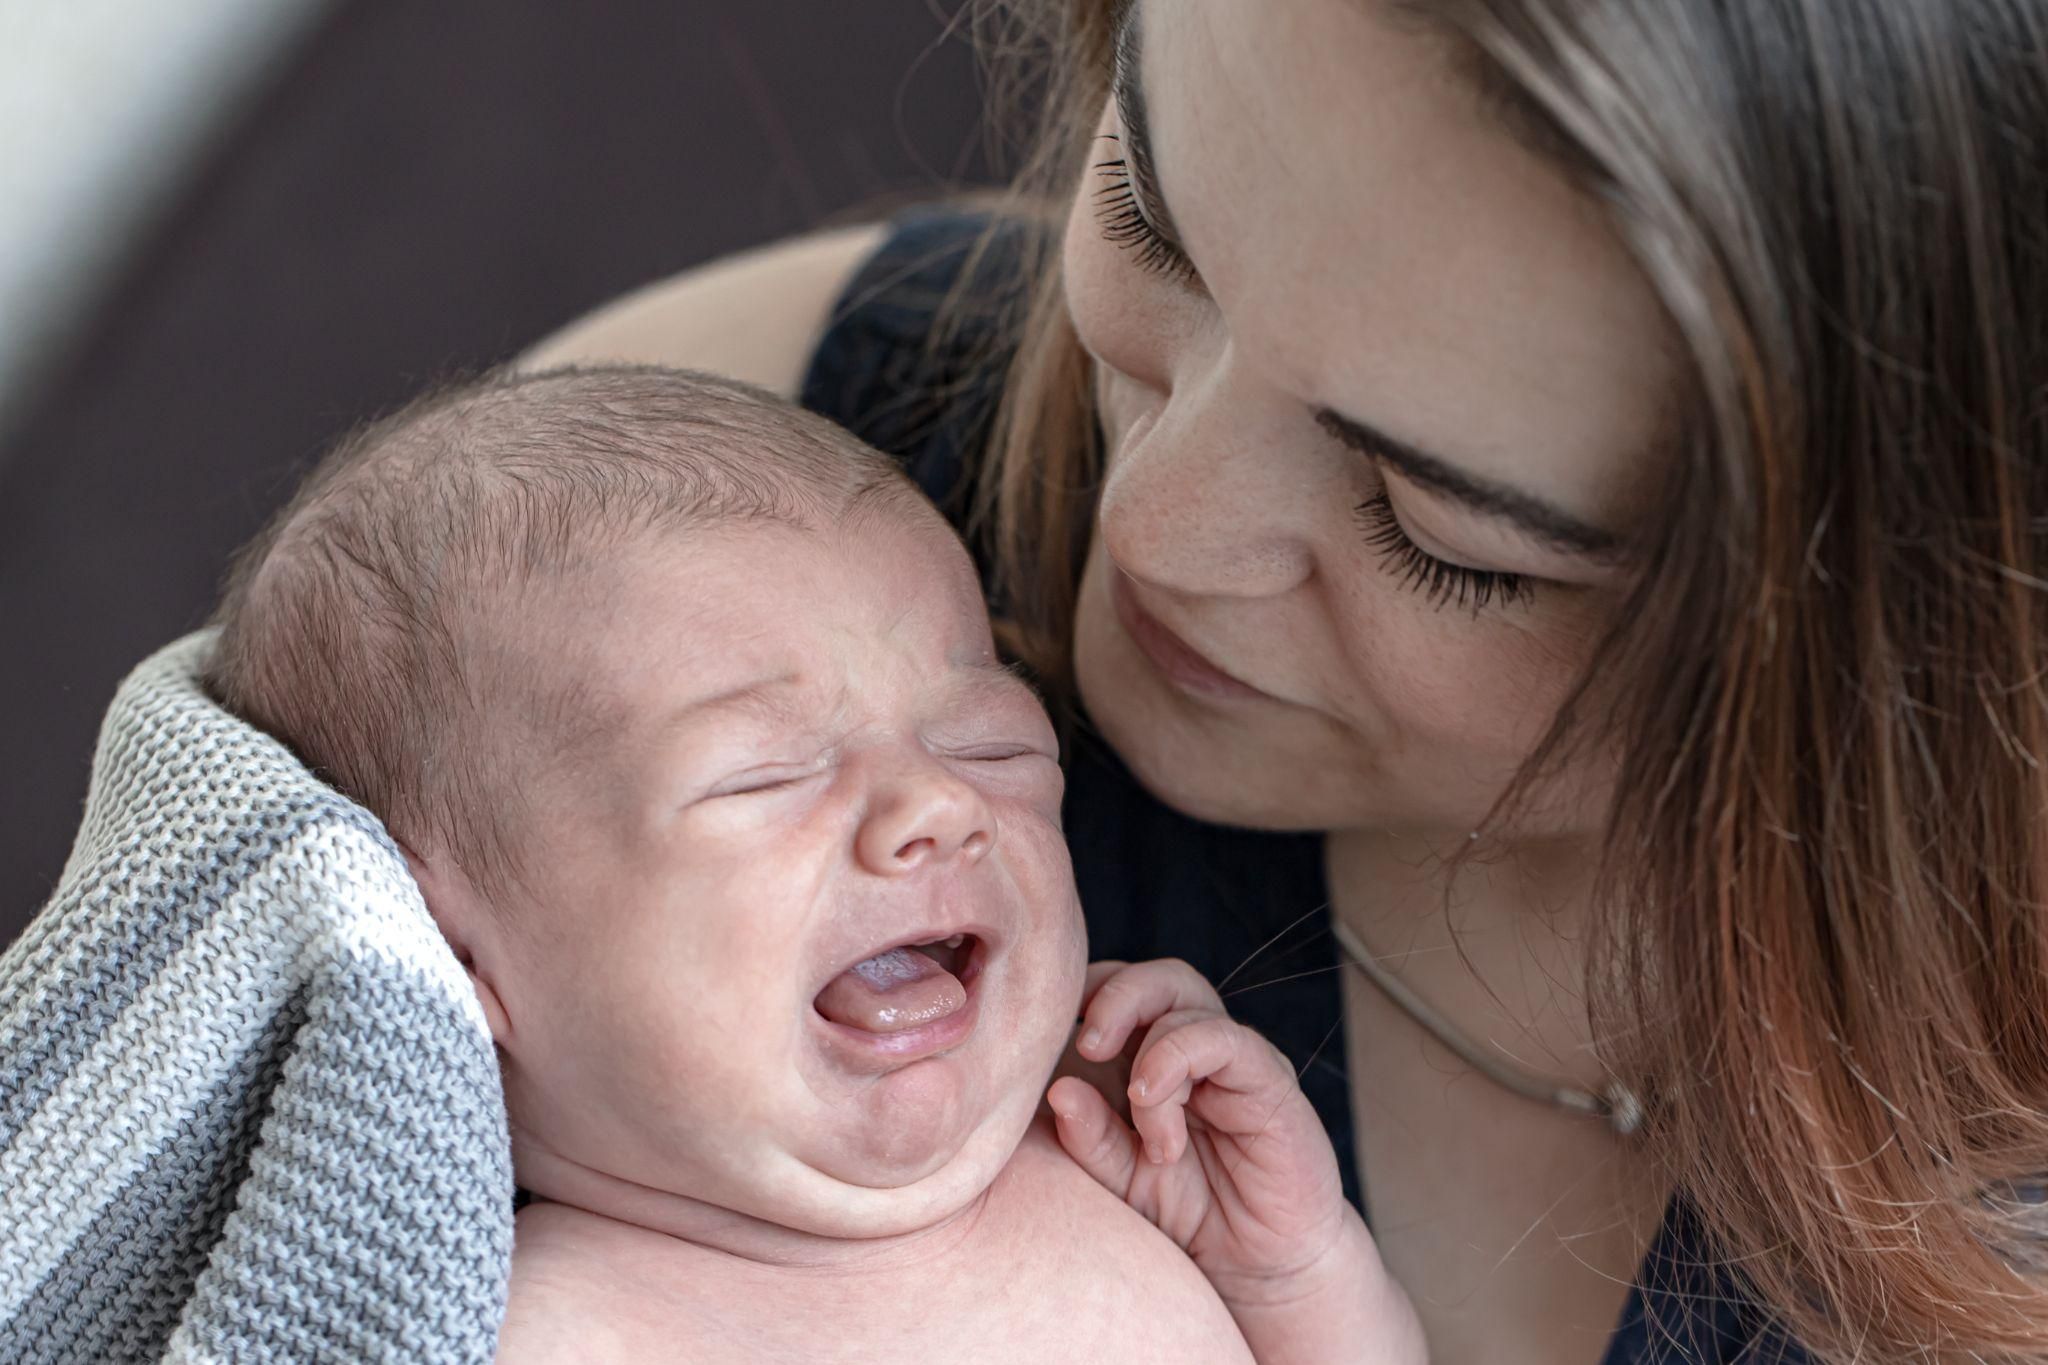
point(685, 708)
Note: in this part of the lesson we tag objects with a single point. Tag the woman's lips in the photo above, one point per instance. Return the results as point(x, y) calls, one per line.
point(1174, 657)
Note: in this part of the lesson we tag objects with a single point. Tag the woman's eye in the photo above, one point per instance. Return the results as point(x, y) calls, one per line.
point(1441, 582)
point(1124, 224)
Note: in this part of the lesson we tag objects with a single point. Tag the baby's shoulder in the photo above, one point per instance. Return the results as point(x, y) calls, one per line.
point(1112, 1286)
point(592, 1289)
point(560, 1305)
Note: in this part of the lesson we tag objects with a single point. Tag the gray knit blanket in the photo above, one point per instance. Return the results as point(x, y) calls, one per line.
point(249, 1109)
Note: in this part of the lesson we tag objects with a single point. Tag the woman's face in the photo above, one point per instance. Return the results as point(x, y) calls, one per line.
point(1384, 398)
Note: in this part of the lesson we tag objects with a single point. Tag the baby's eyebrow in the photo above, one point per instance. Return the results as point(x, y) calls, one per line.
point(997, 673)
point(991, 679)
point(761, 695)
point(996, 668)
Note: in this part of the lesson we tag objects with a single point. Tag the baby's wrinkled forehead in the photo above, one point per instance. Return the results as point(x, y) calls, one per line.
point(773, 642)
point(888, 598)
point(739, 610)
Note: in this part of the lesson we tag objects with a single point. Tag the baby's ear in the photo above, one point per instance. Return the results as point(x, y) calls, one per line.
point(468, 925)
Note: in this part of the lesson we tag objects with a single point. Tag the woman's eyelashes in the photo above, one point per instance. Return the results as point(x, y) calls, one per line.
point(1121, 212)
point(1441, 582)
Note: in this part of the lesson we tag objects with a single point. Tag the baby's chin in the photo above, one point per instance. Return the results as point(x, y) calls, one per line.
point(904, 1146)
point(768, 1187)
point(891, 1176)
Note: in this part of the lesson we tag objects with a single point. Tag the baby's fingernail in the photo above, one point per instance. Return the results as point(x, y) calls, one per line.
point(1152, 1150)
point(1092, 1038)
point(1139, 1087)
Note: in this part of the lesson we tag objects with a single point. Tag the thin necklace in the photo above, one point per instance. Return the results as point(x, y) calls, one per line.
point(1617, 1106)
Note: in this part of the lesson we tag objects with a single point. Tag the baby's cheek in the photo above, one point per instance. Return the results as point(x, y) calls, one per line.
point(1036, 853)
point(1044, 874)
point(680, 1044)
point(694, 1111)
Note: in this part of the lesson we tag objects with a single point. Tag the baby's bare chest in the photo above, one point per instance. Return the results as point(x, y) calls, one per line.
point(1051, 1271)
point(1022, 1318)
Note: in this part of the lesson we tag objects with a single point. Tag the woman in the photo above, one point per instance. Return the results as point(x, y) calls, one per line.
point(1585, 464)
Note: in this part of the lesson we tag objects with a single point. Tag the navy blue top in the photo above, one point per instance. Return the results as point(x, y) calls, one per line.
point(1247, 908)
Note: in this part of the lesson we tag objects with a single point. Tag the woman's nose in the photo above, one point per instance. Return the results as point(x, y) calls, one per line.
point(1214, 494)
point(920, 815)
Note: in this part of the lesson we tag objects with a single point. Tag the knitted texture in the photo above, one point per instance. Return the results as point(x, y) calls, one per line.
point(249, 1107)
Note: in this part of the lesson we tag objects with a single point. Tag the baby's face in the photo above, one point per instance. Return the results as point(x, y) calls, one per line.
point(804, 941)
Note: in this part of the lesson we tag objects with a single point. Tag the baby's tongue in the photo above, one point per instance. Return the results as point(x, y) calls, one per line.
point(890, 992)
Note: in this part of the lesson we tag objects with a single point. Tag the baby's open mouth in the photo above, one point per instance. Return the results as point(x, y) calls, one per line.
point(903, 988)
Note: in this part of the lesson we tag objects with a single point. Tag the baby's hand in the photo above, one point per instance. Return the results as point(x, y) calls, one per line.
point(1224, 1153)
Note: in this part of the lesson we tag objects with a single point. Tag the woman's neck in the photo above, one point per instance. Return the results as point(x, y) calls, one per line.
point(1508, 1221)
point(1492, 938)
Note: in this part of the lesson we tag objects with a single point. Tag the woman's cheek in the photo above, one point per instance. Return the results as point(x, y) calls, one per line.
point(1451, 681)
point(1116, 315)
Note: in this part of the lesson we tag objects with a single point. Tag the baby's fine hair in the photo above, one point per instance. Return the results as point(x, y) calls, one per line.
point(366, 625)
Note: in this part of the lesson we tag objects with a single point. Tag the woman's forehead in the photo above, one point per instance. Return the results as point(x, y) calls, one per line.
point(1380, 243)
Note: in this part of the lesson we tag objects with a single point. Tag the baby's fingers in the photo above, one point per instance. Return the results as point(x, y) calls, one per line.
point(1100, 1142)
point(1137, 995)
point(1246, 1077)
point(1099, 972)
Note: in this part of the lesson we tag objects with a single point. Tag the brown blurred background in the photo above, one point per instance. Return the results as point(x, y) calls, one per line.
point(405, 191)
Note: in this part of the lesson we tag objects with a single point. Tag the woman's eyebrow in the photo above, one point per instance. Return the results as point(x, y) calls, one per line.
point(1127, 84)
point(1526, 511)
point(1547, 523)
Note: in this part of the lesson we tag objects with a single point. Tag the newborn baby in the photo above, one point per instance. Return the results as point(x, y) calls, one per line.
point(685, 709)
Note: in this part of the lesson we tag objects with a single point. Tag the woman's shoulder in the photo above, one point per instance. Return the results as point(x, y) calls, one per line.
point(913, 356)
point(897, 330)
point(754, 316)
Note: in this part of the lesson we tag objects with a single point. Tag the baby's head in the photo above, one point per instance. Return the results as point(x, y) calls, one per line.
point(685, 706)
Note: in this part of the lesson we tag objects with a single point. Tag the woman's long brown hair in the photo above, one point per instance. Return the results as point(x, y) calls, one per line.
point(1823, 932)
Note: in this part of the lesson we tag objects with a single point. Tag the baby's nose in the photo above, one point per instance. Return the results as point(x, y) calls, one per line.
point(920, 815)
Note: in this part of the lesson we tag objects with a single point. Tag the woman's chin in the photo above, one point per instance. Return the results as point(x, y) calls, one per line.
point(1269, 767)
point(1167, 747)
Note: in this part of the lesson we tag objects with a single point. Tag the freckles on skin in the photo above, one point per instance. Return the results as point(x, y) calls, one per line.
point(1463, 254)
point(1121, 324)
point(1369, 240)
point(1418, 697)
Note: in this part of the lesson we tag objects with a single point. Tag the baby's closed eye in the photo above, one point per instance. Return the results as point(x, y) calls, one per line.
point(766, 778)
